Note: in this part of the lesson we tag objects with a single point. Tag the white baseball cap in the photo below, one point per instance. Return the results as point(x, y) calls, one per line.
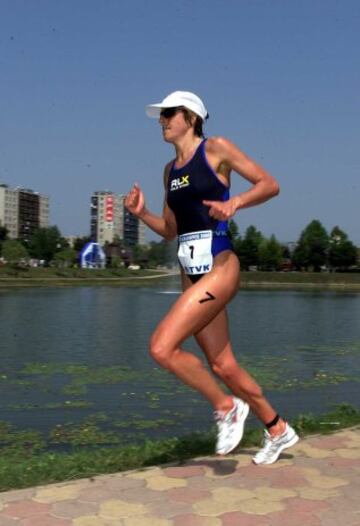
point(179, 98)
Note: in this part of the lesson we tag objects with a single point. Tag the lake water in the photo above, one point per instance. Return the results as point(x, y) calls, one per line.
point(72, 355)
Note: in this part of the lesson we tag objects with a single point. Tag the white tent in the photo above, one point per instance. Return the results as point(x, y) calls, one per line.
point(93, 256)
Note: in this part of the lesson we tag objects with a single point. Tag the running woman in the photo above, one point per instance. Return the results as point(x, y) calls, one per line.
point(197, 208)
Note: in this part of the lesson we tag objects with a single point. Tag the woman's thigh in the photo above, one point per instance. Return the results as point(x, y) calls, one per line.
point(200, 302)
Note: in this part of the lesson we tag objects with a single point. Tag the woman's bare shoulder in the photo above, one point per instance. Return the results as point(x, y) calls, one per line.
point(223, 148)
point(219, 144)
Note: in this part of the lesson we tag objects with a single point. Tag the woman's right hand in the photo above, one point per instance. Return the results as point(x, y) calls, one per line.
point(135, 201)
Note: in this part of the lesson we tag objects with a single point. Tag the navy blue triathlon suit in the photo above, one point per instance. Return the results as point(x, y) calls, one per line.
point(187, 187)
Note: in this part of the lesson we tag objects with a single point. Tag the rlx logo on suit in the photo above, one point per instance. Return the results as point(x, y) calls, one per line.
point(180, 182)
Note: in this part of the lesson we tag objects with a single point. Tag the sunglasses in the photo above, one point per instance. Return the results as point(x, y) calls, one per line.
point(170, 112)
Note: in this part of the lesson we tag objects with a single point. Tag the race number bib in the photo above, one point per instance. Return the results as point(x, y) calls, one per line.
point(195, 252)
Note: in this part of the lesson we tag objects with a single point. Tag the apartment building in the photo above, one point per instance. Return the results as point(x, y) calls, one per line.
point(109, 220)
point(22, 211)
point(9, 210)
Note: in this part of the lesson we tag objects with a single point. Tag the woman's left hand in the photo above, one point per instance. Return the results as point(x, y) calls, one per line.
point(222, 210)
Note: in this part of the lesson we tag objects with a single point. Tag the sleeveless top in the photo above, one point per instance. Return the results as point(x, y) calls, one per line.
point(187, 187)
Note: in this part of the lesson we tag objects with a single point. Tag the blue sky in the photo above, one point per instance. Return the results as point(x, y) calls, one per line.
point(280, 78)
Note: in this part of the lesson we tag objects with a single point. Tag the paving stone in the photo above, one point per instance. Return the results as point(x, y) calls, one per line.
point(145, 473)
point(260, 507)
point(329, 442)
point(243, 460)
point(309, 470)
point(232, 495)
point(340, 505)
point(168, 509)
point(256, 472)
point(95, 520)
point(238, 518)
point(147, 520)
point(345, 518)
point(55, 493)
point(251, 484)
point(220, 468)
point(307, 506)
point(24, 508)
point(187, 494)
point(184, 471)
point(352, 491)
point(294, 518)
point(268, 494)
point(143, 495)
point(314, 452)
point(123, 483)
point(348, 453)
point(17, 494)
point(324, 482)
point(206, 483)
point(7, 521)
point(45, 520)
point(352, 438)
point(288, 477)
point(161, 483)
point(97, 494)
point(196, 520)
point(235, 481)
point(347, 463)
point(312, 493)
point(212, 508)
point(73, 508)
point(285, 459)
point(120, 509)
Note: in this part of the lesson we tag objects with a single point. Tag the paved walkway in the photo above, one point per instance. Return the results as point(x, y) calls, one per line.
point(317, 482)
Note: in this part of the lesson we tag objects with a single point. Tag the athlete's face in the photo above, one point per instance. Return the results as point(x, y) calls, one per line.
point(173, 124)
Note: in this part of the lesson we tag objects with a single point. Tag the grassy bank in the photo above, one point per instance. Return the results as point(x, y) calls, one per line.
point(24, 463)
point(302, 279)
point(43, 277)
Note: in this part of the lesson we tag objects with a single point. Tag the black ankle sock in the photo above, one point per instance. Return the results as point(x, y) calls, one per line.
point(273, 422)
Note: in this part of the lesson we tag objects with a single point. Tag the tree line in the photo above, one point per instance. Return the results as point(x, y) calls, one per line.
point(45, 245)
point(315, 250)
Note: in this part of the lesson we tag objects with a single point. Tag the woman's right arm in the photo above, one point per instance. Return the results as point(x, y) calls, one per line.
point(164, 225)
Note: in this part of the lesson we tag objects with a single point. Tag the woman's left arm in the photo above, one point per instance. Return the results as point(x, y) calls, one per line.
point(264, 185)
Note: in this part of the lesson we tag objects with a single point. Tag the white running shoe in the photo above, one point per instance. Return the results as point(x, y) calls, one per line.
point(230, 426)
point(273, 446)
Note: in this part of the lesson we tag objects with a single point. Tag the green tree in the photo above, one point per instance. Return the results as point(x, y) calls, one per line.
point(163, 253)
point(65, 257)
point(157, 253)
point(46, 242)
point(248, 248)
point(80, 242)
point(270, 254)
point(13, 251)
point(141, 255)
point(311, 251)
point(342, 252)
point(285, 252)
point(3, 233)
point(233, 230)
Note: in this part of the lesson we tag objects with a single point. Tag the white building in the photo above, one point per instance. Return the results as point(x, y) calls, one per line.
point(110, 220)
